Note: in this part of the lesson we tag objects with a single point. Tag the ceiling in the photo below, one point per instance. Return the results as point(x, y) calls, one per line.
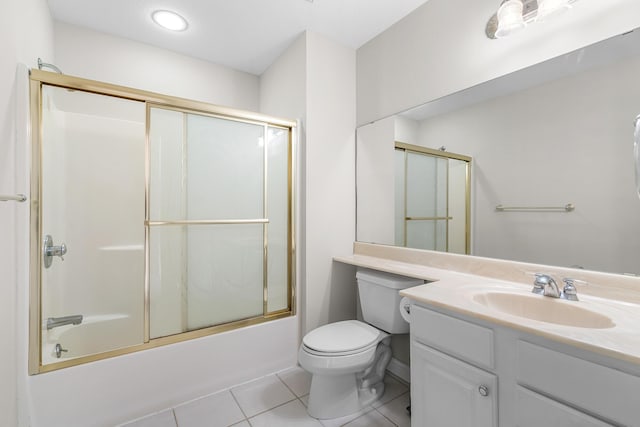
point(246, 35)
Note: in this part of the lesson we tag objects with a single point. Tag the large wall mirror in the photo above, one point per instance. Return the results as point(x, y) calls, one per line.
point(552, 178)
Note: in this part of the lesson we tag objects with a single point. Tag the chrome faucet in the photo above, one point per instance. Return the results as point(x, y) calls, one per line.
point(54, 322)
point(545, 285)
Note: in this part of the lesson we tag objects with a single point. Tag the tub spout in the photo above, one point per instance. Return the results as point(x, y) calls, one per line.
point(54, 322)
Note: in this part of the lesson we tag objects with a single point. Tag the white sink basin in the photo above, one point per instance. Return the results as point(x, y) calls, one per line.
point(544, 309)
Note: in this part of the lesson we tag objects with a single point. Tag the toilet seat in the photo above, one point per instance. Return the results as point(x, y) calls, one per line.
point(342, 338)
point(339, 353)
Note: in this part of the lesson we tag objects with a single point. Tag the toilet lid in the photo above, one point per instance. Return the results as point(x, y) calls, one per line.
point(340, 337)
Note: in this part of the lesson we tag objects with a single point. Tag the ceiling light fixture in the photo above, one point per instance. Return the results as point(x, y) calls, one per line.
point(169, 20)
point(514, 15)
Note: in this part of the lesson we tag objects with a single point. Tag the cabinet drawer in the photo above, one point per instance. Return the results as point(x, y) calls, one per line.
point(596, 389)
point(456, 337)
point(534, 410)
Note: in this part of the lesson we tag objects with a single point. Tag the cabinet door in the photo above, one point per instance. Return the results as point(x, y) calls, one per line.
point(448, 392)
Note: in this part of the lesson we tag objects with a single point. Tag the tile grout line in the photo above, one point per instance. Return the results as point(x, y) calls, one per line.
point(240, 407)
point(385, 417)
point(394, 399)
point(175, 418)
point(287, 386)
point(246, 418)
point(271, 409)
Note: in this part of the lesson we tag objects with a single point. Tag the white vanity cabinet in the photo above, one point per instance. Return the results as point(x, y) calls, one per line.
point(447, 390)
point(471, 372)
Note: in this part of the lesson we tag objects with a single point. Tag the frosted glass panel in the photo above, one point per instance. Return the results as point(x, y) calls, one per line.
point(421, 191)
point(430, 235)
point(399, 170)
point(426, 186)
point(221, 279)
point(205, 168)
point(167, 165)
point(278, 228)
point(225, 274)
point(441, 183)
point(225, 169)
point(457, 206)
point(167, 280)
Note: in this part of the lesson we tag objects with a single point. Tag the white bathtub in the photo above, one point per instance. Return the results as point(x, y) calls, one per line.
point(96, 334)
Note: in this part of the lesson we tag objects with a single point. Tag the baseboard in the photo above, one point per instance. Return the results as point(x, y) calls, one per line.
point(400, 370)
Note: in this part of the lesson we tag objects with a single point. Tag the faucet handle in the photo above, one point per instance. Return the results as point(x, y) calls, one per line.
point(570, 292)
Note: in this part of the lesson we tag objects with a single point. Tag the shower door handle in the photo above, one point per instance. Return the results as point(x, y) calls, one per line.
point(49, 251)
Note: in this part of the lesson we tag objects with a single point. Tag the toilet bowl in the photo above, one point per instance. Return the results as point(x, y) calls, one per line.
point(348, 359)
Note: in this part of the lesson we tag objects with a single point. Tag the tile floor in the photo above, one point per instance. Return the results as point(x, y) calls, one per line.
point(278, 400)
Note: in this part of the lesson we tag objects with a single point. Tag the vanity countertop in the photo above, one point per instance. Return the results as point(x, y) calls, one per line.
point(463, 292)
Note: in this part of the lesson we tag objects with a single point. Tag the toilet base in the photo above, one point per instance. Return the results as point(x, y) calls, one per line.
point(333, 396)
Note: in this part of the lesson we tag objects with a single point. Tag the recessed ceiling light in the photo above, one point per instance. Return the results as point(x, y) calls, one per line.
point(169, 20)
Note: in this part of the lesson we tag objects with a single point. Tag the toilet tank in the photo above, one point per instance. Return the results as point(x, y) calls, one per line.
point(380, 299)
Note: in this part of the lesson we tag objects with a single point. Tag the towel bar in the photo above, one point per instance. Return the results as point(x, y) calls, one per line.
point(566, 208)
point(16, 198)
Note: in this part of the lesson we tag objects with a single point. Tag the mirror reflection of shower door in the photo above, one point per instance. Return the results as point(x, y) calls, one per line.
point(92, 200)
point(432, 200)
point(218, 221)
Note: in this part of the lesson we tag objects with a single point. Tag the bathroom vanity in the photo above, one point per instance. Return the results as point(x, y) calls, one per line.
point(469, 372)
point(485, 351)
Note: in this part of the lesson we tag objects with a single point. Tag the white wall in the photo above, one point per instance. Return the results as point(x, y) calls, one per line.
point(122, 388)
point(426, 56)
point(376, 219)
point(324, 98)
point(330, 181)
point(98, 56)
point(25, 33)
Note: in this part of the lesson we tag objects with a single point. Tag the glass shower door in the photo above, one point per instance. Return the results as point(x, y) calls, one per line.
point(426, 202)
point(154, 220)
point(216, 215)
point(432, 200)
point(92, 249)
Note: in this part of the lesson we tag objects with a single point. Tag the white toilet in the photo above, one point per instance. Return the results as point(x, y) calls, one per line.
point(348, 359)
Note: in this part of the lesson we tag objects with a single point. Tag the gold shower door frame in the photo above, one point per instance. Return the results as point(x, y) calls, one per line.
point(410, 148)
point(39, 78)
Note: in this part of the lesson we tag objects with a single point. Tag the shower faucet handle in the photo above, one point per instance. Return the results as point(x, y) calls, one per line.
point(49, 251)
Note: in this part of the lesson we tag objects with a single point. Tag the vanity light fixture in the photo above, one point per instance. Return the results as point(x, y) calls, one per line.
point(514, 15)
point(550, 8)
point(169, 20)
point(510, 18)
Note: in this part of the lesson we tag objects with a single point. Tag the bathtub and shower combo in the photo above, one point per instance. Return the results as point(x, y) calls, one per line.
point(154, 220)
